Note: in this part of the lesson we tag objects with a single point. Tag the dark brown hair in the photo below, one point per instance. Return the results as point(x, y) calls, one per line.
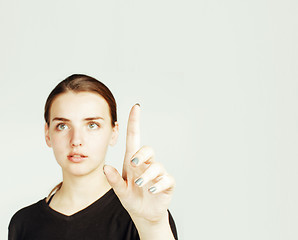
point(80, 83)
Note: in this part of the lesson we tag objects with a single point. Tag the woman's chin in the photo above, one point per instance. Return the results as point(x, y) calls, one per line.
point(80, 171)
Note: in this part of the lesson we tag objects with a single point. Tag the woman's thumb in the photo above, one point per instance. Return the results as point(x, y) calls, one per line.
point(115, 180)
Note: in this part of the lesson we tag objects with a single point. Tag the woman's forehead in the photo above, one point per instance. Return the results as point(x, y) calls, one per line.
point(79, 105)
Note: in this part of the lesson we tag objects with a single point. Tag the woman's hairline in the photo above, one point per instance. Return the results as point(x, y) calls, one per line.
point(77, 92)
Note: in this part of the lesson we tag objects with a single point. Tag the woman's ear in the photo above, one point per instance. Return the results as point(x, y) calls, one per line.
point(47, 135)
point(115, 135)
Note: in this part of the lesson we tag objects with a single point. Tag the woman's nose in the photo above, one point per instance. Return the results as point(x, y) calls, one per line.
point(76, 138)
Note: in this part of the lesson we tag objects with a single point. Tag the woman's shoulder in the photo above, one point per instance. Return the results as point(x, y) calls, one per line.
point(25, 212)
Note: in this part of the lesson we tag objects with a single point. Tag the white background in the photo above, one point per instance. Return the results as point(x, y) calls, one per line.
point(217, 84)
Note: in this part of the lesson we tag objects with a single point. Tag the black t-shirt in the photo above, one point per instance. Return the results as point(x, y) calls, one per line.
point(105, 219)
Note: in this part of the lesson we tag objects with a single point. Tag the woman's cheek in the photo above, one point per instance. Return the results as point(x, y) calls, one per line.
point(57, 143)
point(100, 142)
point(60, 146)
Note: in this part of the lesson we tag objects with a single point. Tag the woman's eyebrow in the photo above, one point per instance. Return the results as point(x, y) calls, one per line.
point(60, 119)
point(93, 118)
point(85, 119)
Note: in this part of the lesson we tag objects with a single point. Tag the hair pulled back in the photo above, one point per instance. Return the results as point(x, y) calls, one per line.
point(80, 83)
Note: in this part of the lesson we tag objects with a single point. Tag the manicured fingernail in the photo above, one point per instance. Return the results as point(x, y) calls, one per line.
point(138, 104)
point(135, 161)
point(103, 169)
point(139, 181)
point(152, 189)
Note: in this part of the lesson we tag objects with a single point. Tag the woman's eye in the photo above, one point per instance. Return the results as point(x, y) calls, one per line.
point(62, 126)
point(93, 125)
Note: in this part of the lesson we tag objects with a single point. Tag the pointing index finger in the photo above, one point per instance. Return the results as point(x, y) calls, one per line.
point(133, 136)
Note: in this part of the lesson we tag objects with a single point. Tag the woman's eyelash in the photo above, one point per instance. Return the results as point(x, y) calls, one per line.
point(97, 124)
point(94, 123)
point(62, 126)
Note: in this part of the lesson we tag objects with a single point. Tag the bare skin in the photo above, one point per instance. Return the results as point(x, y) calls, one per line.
point(84, 180)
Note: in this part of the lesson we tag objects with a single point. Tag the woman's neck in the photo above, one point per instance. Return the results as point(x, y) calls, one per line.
point(80, 191)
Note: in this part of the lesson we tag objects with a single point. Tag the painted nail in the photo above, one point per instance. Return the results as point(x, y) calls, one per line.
point(152, 189)
point(135, 161)
point(138, 104)
point(139, 181)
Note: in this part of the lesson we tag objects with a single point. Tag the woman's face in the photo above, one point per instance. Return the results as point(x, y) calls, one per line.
point(80, 132)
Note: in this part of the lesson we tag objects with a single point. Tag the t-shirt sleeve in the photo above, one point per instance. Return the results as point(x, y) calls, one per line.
point(13, 228)
point(173, 225)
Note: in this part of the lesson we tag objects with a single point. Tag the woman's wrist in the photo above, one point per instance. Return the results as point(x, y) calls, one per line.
point(158, 229)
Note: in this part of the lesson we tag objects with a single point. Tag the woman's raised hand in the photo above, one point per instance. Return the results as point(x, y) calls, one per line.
point(145, 188)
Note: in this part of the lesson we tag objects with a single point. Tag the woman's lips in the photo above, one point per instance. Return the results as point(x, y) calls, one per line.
point(76, 158)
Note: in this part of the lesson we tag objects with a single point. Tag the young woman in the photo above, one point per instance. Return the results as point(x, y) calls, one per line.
point(94, 201)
